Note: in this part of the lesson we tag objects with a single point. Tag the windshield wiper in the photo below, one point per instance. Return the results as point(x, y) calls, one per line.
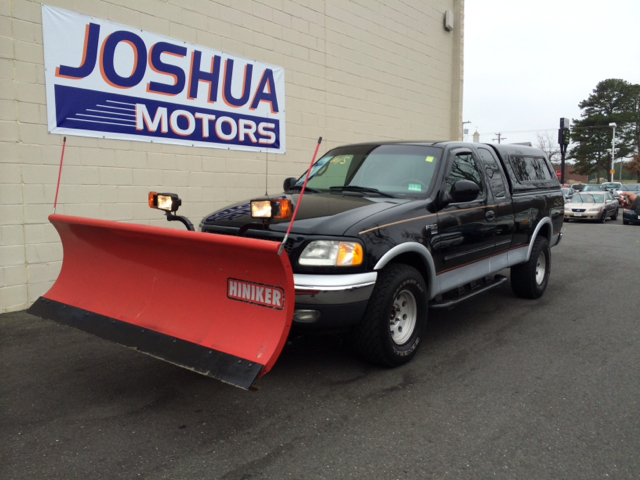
point(357, 188)
point(307, 189)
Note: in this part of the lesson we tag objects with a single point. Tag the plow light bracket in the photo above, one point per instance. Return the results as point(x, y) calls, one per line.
point(169, 202)
point(279, 209)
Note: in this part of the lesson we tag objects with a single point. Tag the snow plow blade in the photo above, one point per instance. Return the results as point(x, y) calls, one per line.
point(218, 305)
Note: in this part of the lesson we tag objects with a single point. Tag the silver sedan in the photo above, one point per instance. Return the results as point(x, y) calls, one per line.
point(591, 206)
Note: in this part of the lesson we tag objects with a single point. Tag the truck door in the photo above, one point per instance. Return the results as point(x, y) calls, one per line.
point(465, 237)
point(502, 206)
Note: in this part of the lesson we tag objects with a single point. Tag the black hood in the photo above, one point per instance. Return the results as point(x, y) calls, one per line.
point(319, 213)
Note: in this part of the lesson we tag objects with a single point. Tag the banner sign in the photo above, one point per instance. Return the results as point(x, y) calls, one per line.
point(112, 81)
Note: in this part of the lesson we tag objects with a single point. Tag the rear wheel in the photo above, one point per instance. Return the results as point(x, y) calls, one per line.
point(392, 326)
point(529, 279)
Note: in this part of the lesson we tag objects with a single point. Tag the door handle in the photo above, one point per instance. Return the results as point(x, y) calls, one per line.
point(490, 215)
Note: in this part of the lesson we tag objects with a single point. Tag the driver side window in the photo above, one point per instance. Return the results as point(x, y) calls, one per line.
point(464, 168)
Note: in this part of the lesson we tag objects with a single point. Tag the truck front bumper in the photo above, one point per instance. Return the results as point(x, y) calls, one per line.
point(332, 300)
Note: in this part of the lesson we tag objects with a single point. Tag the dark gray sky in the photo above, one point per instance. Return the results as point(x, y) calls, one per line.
point(526, 64)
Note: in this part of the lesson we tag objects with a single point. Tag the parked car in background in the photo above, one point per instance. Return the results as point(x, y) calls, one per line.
point(612, 185)
point(567, 193)
point(630, 217)
point(578, 187)
point(630, 187)
point(591, 206)
point(593, 188)
point(614, 188)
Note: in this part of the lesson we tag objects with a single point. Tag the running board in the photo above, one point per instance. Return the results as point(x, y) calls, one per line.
point(467, 291)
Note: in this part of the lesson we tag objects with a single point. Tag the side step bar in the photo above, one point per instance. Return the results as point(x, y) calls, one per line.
point(467, 291)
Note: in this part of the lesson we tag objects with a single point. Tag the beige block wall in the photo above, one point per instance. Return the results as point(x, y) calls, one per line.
point(355, 71)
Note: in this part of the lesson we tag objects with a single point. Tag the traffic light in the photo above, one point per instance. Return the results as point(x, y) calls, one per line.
point(564, 136)
point(564, 133)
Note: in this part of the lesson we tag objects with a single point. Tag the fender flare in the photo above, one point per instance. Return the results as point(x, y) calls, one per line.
point(423, 252)
point(541, 223)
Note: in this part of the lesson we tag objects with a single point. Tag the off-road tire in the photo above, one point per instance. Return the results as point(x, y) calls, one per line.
point(529, 279)
point(372, 337)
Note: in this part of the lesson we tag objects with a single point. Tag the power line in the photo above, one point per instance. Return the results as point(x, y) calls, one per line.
point(551, 129)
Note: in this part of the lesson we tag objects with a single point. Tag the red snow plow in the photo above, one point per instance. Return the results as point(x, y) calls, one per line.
point(221, 306)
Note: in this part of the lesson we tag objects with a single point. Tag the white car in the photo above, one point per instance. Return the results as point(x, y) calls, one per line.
point(591, 206)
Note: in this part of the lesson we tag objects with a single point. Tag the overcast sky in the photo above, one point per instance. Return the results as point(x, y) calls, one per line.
point(526, 64)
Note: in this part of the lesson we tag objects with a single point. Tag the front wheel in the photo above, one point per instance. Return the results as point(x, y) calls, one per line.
point(615, 215)
point(393, 323)
point(529, 279)
point(604, 216)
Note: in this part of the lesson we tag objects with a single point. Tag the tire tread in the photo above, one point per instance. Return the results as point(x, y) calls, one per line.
point(369, 340)
point(523, 281)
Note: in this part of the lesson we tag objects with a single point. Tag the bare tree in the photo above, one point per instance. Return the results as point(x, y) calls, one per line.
point(549, 146)
point(633, 166)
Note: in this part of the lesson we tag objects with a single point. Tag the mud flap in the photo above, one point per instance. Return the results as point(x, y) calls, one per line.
point(219, 305)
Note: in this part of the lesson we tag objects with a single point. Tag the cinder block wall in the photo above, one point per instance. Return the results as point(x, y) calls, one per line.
point(355, 71)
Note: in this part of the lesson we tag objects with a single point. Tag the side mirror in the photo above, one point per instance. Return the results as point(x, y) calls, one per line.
point(464, 191)
point(288, 183)
point(461, 191)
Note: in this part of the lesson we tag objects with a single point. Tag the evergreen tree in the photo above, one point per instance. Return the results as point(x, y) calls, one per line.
point(612, 100)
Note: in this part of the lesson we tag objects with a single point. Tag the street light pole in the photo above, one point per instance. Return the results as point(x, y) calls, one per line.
point(613, 151)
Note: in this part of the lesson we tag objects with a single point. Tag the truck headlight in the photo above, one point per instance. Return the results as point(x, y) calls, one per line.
point(332, 253)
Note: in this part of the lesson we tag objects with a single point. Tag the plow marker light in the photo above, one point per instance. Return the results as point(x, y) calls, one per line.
point(229, 310)
point(169, 202)
point(279, 208)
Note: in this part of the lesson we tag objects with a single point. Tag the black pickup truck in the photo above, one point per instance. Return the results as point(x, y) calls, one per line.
point(386, 231)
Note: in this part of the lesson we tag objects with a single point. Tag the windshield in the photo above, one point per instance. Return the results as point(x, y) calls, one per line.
point(388, 170)
point(591, 188)
point(588, 198)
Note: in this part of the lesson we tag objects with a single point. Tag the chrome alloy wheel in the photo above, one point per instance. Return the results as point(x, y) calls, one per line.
point(541, 268)
point(403, 317)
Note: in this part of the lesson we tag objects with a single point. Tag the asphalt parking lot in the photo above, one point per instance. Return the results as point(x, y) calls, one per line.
point(502, 388)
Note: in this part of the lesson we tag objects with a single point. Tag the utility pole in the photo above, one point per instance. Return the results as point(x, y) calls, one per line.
point(613, 154)
point(500, 137)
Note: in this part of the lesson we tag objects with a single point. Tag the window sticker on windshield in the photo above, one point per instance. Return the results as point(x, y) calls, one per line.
point(415, 187)
point(430, 159)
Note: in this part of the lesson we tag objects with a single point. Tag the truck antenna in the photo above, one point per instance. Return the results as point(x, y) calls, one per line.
point(266, 176)
point(304, 185)
point(55, 203)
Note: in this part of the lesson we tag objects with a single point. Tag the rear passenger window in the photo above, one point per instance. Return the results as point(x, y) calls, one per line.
point(496, 181)
point(530, 169)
